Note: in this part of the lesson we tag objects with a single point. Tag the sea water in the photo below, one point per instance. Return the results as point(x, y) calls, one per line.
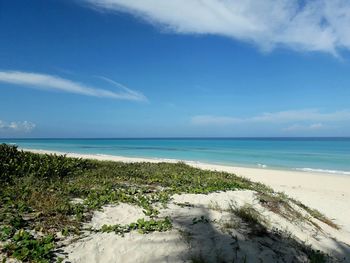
point(330, 155)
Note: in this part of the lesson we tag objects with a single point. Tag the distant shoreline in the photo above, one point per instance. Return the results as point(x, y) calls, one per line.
point(310, 154)
point(189, 138)
point(219, 166)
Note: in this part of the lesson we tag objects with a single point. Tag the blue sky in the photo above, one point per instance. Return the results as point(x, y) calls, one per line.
point(115, 68)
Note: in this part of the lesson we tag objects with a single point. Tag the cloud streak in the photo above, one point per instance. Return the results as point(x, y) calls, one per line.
point(319, 25)
point(50, 82)
point(123, 87)
point(307, 115)
point(17, 126)
point(299, 127)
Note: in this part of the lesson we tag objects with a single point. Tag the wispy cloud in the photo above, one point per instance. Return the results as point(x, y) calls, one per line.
point(17, 126)
point(301, 127)
point(50, 82)
point(307, 115)
point(123, 87)
point(319, 25)
point(214, 120)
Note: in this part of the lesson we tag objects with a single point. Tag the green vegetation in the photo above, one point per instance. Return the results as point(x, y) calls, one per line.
point(248, 214)
point(202, 220)
point(252, 217)
point(18, 164)
point(26, 247)
point(142, 226)
point(280, 204)
point(37, 192)
point(317, 256)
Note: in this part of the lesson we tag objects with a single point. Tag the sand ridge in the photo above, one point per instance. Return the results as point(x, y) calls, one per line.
point(328, 193)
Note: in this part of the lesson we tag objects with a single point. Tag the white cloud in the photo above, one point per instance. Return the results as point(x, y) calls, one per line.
point(307, 115)
point(49, 82)
point(19, 126)
point(318, 25)
point(214, 120)
point(302, 115)
point(300, 127)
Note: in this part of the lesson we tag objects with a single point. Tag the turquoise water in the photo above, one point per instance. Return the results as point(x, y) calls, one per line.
point(321, 154)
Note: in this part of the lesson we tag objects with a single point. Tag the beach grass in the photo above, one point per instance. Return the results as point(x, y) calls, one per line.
point(38, 193)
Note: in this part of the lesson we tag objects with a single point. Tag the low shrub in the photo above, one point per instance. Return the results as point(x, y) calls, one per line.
point(16, 164)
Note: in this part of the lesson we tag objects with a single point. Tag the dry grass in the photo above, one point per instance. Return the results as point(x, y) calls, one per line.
point(317, 214)
point(281, 204)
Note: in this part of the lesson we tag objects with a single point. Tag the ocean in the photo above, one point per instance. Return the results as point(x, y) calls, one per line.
point(330, 155)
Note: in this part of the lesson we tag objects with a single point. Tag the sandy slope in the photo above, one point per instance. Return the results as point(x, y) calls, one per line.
point(328, 193)
point(221, 237)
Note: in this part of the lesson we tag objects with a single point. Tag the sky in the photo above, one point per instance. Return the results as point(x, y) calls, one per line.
point(179, 68)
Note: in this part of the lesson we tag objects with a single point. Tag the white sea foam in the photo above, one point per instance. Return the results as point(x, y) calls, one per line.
point(262, 165)
point(324, 171)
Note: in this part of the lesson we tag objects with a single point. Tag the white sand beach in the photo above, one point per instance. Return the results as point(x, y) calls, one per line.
point(328, 193)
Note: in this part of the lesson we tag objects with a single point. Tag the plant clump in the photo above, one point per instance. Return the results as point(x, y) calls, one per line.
point(142, 226)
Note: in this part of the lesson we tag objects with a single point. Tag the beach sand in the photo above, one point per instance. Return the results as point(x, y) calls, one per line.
point(328, 193)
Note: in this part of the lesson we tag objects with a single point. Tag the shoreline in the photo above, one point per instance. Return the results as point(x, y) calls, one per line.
point(328, 193)
point(111, 157)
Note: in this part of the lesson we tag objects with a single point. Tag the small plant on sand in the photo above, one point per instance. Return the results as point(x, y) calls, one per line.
point(139, 196)
point(280, 204)
point(25, 247)
point(316, 256)
point(142, 226)
point(232, 224)
point(152, 225)
point(248, 214)
point(202, 220)
point(6, 232)
point(186, 204)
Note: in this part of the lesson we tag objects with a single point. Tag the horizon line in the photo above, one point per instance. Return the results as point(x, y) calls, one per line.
point(179, 137)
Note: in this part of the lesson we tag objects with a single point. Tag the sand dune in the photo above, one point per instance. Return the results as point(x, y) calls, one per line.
point(214, 239)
